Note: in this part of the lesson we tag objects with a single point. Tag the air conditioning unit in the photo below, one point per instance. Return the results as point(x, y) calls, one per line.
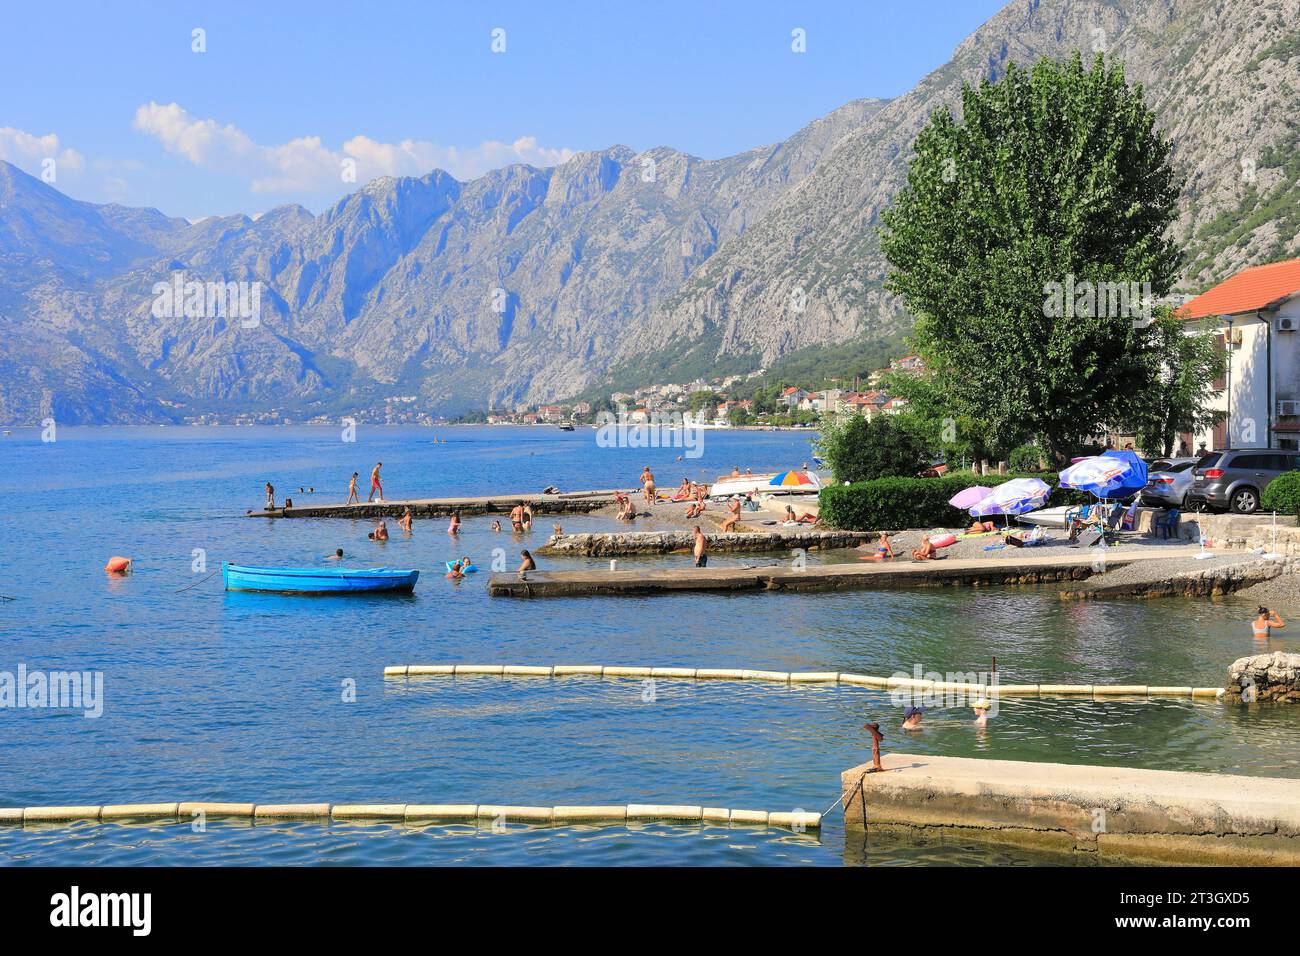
point(1287, 323)
point(1287, 407)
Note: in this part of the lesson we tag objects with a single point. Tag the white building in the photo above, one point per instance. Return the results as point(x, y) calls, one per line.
point(1256, 314)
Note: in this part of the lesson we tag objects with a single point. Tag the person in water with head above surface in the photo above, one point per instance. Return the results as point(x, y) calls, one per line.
point(453, 527)
point(1265, 621)
point(912, 718)
point(981, 708)
point(404, 522)
point(496, 525)
point(336, 556)
point(517, 517)
point(381, 531)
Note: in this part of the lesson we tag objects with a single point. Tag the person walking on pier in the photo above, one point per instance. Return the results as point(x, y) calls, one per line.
point(701, 549)
point(270, 496)
point(354, 496)
point(375, 483)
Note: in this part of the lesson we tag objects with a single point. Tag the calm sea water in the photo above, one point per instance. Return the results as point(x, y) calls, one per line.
point(240, 697)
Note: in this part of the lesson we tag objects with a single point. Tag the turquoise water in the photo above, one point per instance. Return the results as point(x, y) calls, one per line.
point(240, 697)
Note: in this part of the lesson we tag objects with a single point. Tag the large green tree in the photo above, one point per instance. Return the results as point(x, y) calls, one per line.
point(1053, 180)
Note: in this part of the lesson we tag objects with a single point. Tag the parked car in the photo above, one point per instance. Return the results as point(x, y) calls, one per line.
point(1234, 479)
point(1168, 480)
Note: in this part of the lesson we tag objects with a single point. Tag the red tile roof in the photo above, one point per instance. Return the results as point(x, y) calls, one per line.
point(1247, 291)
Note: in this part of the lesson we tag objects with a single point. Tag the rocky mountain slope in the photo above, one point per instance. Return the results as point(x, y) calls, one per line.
point(530, 284)
point(1221, 74)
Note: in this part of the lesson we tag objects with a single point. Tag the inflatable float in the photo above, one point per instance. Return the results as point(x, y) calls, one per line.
point(118, 565)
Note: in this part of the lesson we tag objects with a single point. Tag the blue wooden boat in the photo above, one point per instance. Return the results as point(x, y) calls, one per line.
point(238, 577)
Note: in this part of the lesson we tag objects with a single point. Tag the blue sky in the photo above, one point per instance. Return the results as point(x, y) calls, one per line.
point(287, 92)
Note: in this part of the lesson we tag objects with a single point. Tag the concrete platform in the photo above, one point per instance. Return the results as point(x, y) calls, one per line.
point(975, 572)
point(576, 502)
point(1155, 815)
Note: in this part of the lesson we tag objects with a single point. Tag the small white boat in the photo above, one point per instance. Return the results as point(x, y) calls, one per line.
point(1046, 517)
point(769, 484)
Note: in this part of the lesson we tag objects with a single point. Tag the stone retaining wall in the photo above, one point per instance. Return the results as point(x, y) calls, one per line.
point(1211, 582)
point(666, 542)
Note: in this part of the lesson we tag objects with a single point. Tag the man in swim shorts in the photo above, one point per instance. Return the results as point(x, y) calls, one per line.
point(375, 483)
point(701, 549)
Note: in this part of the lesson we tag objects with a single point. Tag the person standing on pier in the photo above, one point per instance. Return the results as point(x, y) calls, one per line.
point(354, 496)
point(375, 483)
point(270, 496)
point(701, 549)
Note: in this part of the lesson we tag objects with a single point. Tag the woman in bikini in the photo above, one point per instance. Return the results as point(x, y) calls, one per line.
point(1265, 621)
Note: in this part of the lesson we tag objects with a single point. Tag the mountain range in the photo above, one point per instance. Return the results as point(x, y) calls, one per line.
point(530, 285)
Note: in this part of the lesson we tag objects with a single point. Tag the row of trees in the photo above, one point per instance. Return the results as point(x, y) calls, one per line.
point(1055, 180)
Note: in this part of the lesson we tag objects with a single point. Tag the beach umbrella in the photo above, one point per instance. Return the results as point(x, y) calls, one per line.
point(794, 479)
point(969, 496)
point(1013, 497)
point(1114, 474)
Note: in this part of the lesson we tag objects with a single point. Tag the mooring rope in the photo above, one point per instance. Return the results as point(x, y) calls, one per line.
point(197, 583)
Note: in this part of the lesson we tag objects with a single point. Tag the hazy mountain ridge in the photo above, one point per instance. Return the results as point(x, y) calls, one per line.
point(529, 284)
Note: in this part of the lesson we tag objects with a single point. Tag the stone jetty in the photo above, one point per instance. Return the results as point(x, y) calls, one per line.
point(800, 576)
point(1112, 812)
point(666, 542)
point(577, 502)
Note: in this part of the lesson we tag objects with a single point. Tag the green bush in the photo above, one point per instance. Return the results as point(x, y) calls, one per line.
point(894, 504)
point(1283, 494)
point(1026, 458)
point(885, 447)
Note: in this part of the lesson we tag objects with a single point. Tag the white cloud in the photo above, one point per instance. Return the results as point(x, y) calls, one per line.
point(306, 165)
point(29, 152)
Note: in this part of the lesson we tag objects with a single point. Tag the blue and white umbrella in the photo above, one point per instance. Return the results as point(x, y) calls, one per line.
point(1116, 474)
point(1013, 497)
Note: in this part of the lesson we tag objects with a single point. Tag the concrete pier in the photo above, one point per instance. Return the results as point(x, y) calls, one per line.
point(1157, 815)
point(613, 544)
point(975, 572)
point(577, 502)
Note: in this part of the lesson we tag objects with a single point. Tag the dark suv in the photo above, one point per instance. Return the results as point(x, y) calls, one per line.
point(1235, 479)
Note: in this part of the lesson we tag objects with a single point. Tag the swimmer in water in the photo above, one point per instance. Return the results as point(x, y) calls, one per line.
point(981, 708)
point(381, 531)
point(404, 522)
point(1264, 623)
point(912, 718)
point(454, 527)
point(336, 556)
point(496, 525)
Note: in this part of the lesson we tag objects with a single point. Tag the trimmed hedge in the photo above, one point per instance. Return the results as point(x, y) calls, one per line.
point(1282, 494)
point(895, 504)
